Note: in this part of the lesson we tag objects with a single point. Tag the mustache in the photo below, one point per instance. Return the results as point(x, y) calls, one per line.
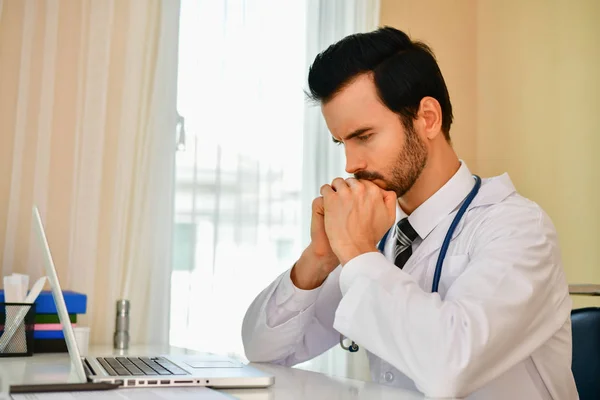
point(368, 176)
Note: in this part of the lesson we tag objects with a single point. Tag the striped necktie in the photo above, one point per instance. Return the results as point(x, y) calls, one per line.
point(405, 236)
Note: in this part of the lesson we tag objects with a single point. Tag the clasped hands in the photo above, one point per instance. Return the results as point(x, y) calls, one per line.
point(357, 213)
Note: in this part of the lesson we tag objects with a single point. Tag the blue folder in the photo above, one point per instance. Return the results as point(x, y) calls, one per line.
point(76, 302)
point(48, 335)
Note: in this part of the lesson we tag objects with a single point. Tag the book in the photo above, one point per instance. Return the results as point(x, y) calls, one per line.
point(48, 334)
point(76, 302)
point(52, 318)
point(49, 346)
point(49, 327)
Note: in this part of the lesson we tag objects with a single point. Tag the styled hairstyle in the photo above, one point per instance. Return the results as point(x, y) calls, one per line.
point(404, 72)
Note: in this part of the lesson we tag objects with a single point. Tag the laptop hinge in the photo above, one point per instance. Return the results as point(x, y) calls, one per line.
point(89, 371)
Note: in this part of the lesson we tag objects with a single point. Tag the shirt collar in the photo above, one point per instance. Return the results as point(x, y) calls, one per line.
point(429, 214)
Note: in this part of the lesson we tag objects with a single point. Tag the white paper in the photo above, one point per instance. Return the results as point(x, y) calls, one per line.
point(12, 289)
point(22, 282)
point(164, 393)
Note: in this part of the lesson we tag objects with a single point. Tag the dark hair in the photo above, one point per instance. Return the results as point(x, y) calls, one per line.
point(404, 71)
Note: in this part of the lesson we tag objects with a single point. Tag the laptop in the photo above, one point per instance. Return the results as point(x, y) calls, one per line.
point(203, 369)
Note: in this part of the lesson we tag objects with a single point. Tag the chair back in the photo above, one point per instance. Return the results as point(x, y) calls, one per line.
point(585, 324)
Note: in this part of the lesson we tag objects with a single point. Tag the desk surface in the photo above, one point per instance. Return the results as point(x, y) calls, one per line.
point(290, 383)
point(584, 289)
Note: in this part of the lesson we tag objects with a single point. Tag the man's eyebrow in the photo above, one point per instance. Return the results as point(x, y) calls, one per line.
point(354, 134)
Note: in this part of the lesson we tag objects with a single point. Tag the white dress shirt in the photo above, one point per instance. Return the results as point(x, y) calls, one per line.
point(498, 328)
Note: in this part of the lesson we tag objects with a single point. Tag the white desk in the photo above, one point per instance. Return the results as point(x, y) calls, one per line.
point(290, 383)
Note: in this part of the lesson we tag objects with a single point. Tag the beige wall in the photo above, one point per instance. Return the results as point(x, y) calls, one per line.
point(524, 78)
point(453, 41)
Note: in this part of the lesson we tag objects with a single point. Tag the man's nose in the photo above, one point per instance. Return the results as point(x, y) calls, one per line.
point(354, 162)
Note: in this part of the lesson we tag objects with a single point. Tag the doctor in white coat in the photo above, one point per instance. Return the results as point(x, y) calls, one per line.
point(494, 324)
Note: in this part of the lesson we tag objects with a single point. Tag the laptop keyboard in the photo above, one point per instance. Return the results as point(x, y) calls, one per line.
point(139, 366)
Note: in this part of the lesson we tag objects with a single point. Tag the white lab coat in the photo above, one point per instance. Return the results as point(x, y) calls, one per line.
point(499, 328)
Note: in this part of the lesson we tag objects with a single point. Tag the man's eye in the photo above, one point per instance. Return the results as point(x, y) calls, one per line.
point(364, 138)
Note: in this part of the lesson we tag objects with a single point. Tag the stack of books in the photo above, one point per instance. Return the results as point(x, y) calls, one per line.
point(48, 335)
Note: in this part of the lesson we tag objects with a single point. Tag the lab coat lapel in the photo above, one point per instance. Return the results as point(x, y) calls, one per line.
point(433, 242)
point(493, 190)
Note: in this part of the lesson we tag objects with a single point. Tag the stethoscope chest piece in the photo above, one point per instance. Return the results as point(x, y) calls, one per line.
point(353, 348)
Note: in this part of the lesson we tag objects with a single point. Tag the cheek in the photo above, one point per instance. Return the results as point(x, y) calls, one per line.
point(386, 158)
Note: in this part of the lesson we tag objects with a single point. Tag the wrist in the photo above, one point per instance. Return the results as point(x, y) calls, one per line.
point(311, 270)
point(347, 253)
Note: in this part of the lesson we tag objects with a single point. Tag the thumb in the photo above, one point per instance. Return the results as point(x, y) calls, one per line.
point(390, 199)
point(318, 206)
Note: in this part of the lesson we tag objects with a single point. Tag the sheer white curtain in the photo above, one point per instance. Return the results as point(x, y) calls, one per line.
point(87, 115)
point(253, 153)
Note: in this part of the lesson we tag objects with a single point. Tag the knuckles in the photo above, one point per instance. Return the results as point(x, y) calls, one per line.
point(338, 181)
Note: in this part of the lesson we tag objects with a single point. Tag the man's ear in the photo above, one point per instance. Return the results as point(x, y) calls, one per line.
point(430, 117)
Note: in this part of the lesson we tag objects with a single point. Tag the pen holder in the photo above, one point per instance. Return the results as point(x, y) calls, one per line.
point(21, 343)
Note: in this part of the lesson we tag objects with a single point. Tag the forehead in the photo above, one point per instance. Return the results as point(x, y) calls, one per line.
point(356, 106)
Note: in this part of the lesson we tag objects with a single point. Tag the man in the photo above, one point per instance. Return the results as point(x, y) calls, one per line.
point(498, 326)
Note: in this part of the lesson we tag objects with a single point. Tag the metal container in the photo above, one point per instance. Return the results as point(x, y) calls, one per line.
point(121, 336)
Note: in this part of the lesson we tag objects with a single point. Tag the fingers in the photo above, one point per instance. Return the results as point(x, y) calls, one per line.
point(339, 185)
point(342, 186)
point(389, 198)
point(353, 182)
point(389, 195)
point(370, 187)
point(326, 190)
point(356, 186)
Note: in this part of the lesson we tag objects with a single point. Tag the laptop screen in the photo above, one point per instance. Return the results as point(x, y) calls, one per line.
point(59, 300)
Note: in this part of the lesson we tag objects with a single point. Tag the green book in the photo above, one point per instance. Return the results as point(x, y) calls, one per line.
point(52, 318)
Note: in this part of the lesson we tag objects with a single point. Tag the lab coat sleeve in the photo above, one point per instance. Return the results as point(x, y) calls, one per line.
point(511, 298)
point(286, 325)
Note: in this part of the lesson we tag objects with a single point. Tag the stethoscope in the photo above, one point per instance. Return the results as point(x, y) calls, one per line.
point(353, 348)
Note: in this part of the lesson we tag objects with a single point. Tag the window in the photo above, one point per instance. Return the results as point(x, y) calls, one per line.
point(238, 220)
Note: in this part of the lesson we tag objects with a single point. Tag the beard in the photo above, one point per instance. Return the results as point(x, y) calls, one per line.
point(407, 167)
